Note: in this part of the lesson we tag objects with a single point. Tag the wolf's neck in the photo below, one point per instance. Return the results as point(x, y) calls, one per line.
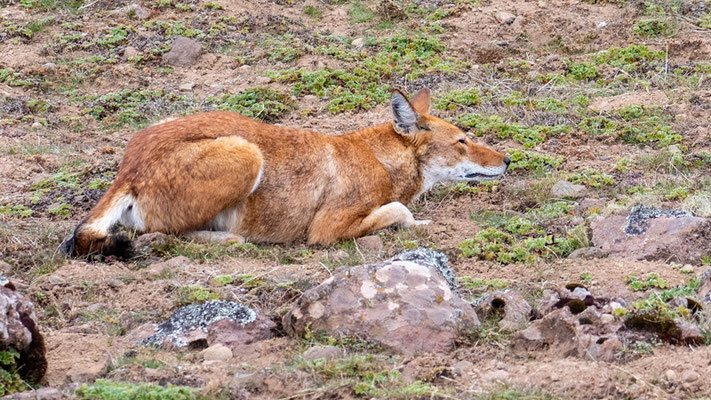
point(398, 155)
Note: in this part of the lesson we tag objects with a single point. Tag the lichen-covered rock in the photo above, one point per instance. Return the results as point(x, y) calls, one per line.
point(216, 321)
point(405, 305)
point(19, 331)
point(653, 234)
point(515, 309)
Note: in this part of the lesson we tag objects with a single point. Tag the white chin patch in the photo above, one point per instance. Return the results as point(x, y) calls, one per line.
point(466, 171)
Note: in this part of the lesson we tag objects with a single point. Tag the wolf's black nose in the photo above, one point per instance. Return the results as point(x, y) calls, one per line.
point(507, 161)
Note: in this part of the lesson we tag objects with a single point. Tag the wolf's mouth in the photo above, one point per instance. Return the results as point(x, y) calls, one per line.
point(475, 175)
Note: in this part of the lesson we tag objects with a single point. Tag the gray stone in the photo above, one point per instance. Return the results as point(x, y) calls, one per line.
point(186, 87)
point(690, 376)
point(370, 244)
point(194, 320)
point(130, 52)
point(358, 43)
point(217, 352)
point(402, 305)
point(183, 52)
point(563, 189)
point(137, 11)
point(505, 17)
point(323, 352)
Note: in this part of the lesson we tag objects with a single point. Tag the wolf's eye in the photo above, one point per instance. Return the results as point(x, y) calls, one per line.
point(463, 141)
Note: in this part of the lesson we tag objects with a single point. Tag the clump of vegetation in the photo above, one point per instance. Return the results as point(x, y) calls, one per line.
point(506, 248)
point(108, 390)
point(261, 103)
point(367, 376)
point(584, 71)
point(654, 27)
point(591, 177)
point(631, 58)
point(456, 99)
point(194, 294)
point(657, 302)
point(653, 281)
point(532, 161)
point(528, 136)
point(10, 381)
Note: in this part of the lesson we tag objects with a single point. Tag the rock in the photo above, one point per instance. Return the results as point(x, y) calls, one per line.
point(217, 352)
point(602, 24)
point(323, 352)
point(36, 126)
point(183, 52)
point(309, 98)
point(137, 11)
point(358, 43)
point(370, 244)
point(689, 333)
point(671, 375)
point(564, 189)
point(690, 376)
point(497, 376)
point(505, 17)
point(5, 268)
point(652, 234)
point(339, 255)
point(49, 65)
point(516, 310)
point(405, 306)
point(588, 253)
point(130, 52)
point(263, 80)
point(150, 240)
point(461, 368)
point(233, 333)
point(607, 351)
point(704, 290)
point(186, 87)
point(191, 324)
point(19, 330)
point(556, 332)
point(47, 393)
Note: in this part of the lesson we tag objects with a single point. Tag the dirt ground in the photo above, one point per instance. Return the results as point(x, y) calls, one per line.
point(61, 143)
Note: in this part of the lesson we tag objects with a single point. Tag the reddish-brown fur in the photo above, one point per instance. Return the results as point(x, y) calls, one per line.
point(181, 174)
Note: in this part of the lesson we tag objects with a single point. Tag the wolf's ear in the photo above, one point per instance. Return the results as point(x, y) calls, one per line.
point(405, 115)
point(421, 101)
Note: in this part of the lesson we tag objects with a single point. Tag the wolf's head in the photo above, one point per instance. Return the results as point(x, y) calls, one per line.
point(445, 152)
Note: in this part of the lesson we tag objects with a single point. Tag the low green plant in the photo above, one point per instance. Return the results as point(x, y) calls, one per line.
point(10, 381)
point(653, 281)
point(592, 178)
point(584, 71)
point(532, 161)
point(477, 283)
point(194, 294)
point(653, 27)
point(456, 99)
point(108, 390)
